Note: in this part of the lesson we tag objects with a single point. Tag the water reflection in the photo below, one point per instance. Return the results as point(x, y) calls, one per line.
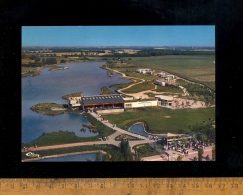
point(89, 157)
point(138, 129)
point(50, 86)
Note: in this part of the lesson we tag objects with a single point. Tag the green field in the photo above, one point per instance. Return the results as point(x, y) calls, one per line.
point(144, 150)
point(201, 68)
point(162, 120)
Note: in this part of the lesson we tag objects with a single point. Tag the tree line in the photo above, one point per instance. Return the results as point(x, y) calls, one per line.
point(161, 52)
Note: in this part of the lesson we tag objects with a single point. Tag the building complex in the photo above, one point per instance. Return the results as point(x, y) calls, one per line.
point(116, 103)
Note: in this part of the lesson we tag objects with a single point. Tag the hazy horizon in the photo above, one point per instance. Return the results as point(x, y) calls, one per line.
point(129, 46)
point(115, 36)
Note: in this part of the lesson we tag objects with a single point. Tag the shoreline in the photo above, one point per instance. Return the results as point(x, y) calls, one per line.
point(39, 69)
point(66, 154)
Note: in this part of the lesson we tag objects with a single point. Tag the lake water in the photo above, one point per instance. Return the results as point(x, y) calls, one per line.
point(73, 158)
point(138, 129)
point(50, 86)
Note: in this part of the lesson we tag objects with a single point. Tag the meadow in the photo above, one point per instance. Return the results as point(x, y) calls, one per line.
point(201, 68)
point(162, 120)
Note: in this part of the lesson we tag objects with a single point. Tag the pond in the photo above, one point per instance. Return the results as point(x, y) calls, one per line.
point(138, 129)
point(89, 157)
point(50, 86)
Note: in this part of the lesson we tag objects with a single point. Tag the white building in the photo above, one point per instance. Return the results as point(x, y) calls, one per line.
point(161, 74)
point(144, 70)
point(165, 100)
point(160, 82)
point(170, 76)
point(140, 104)
point(74, 101)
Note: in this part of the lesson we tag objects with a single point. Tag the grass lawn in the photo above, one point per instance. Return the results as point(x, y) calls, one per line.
point(162, 120)
point(145, 150)
point(139, 87)
point(169, 88)
point(60, 137)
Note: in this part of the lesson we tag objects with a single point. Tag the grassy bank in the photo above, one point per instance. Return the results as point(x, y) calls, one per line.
point(105, 91)
point(162, 120)
point(111, 149)
point(49, 108)
point(77, 94)
point(61, 137)
point(144, 150)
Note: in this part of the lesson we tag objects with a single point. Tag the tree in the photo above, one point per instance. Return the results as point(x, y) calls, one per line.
point(106, 157)
point(174, 142)
point(125, 150)
point(179, 158)
point(98, 156)
point(44, 61)
point(200, 153)
point(37, 59)
point(51, 61)
point(203, 131)
point(213, 153)
point(184, 141)
point(207, 158)
point(203, 138)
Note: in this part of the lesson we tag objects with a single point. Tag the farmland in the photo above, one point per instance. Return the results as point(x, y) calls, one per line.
point(200, 68)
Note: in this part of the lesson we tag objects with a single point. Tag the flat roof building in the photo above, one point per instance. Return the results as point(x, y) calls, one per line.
point(103, 101)
point(160, 82)
point(165, 97)
point(143, 70)
point(165, 100)
point(74, 101)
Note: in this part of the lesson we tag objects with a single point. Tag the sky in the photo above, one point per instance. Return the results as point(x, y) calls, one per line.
point(203, 35)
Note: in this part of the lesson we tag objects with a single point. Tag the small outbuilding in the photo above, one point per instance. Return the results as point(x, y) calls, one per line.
point(160, 82)
point(161, 74)
point(165, 100)
point(144, 70)
point(74, 101)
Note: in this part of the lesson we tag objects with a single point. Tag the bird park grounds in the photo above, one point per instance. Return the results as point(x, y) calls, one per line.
point(162, 120)
point(193, 88)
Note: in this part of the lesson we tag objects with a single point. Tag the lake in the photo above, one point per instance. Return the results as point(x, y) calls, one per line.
point(50, 86)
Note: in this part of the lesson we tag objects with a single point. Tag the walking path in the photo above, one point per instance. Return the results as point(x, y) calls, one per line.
point(117, 128)
point(117, 131)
